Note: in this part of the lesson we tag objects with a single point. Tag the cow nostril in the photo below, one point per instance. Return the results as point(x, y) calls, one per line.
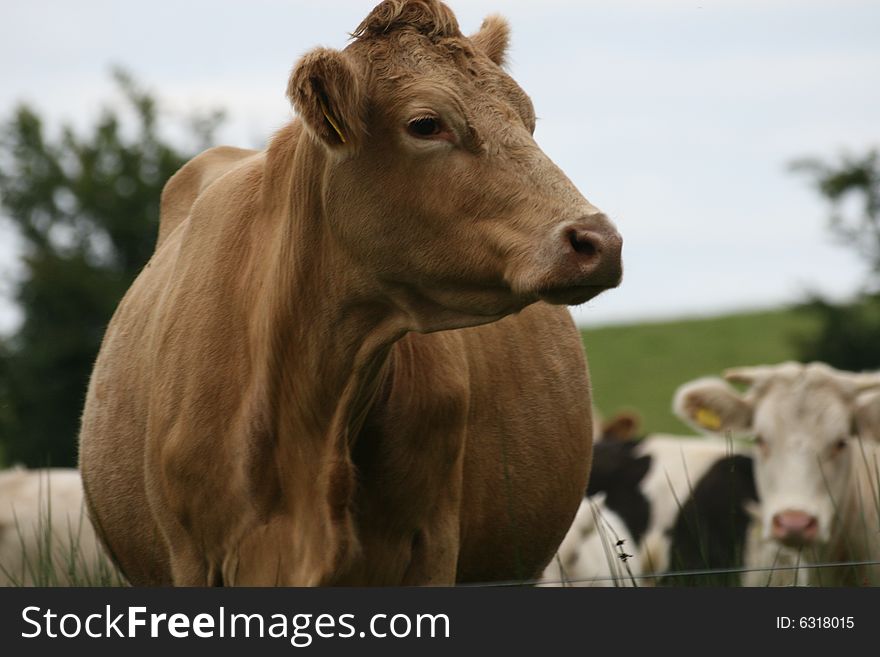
point(795, 527)
point(582, 244)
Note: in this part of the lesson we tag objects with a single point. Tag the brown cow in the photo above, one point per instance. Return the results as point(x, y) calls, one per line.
point(289, 393)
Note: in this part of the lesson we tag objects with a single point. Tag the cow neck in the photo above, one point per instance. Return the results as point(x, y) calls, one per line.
point(327, 333)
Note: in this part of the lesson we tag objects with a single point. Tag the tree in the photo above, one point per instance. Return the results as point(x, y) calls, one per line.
point(856, 178)
point(849, 334)
point(87, 206)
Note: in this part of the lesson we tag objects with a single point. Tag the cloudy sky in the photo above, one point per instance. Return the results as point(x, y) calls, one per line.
point(676, 117)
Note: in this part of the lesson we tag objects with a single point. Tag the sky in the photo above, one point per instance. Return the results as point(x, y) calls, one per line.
point(678, 118)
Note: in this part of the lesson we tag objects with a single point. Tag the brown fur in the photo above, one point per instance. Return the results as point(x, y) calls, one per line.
point(305, 385)
point(493, 38)
point(432, 19)
point(325, 91)
point(193, 178)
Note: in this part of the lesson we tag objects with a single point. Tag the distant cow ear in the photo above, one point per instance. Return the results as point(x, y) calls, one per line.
point(325, 91)
point(493, 38)
point(622, 427)
point(711, 405)
point(866, 415)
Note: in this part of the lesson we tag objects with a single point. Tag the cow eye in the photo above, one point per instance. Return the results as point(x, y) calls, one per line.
point(840, 445)
point(759, 441)
point(424, 127)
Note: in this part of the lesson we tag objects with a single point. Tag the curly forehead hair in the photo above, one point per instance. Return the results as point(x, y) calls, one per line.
point(430, 18)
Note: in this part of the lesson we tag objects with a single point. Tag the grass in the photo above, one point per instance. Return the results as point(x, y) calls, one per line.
point(639, 366)
point(59, 551)
point(56, 558)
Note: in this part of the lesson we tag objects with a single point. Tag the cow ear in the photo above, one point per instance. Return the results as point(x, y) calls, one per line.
point(622, 427)
point(852, 384)
point(748, 375)
point(866, 415)
point(325, 91)
point(758, 375)
point(493, 38)
point(711, 405)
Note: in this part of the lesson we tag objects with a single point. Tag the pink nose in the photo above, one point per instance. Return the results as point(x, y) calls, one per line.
point(795, 528)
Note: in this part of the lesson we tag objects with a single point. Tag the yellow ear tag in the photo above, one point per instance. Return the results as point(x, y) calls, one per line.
point(708, 419)
point(330, 120)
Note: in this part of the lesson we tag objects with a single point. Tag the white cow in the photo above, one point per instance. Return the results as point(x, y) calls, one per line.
point(817, 460)
point(598, 550)
point(46, 538)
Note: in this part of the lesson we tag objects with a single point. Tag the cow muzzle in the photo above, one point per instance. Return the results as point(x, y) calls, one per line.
point(795, 528)
point(583, 259)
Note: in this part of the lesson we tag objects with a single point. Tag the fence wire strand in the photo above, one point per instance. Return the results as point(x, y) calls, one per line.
point(567, 582)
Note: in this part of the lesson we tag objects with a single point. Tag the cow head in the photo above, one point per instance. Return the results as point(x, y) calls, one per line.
point(433, 182)
point(805, 421)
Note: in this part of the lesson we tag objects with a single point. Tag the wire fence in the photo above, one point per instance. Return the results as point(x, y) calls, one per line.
point(623, 580)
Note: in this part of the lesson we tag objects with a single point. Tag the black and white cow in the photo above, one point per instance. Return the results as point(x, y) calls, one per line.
point(816, 458)
point(596, 551)
point(678, 504)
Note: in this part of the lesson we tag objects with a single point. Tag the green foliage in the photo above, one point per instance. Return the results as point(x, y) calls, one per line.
point(852, 178)
point(640, 366)
point(848, 334)
point(87, 205)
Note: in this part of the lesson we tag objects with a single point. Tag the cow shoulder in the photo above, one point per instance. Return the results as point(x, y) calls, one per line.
point(185, 186)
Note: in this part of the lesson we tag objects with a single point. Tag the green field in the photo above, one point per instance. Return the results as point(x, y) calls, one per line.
point(639, 366)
